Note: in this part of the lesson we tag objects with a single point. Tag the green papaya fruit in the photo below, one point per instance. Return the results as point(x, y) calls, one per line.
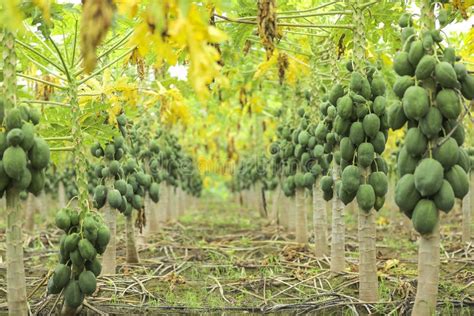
point(428, 176)
point(444, 198)
point(365, 197)
point(425, 216)
point(406, 195)
point(416, 103)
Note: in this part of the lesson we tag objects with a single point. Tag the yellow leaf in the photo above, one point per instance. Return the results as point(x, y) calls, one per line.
point(44, 6)
point(389, 264)
point(263, 67)
point(382, 221)
point(11, 16)
point(127, 7)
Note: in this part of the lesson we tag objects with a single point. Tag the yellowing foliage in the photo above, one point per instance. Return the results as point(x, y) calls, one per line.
point(44, 6)
point(127, 7)
point(11, 16)
point(168, 29)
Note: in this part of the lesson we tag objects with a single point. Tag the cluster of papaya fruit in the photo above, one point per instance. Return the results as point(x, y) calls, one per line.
point(252, 170)
point(78, 265)
point(431, 88)
point(302, 152)
point(121, 185)
point(360, 127)
point(24, 156)
point(163, 158)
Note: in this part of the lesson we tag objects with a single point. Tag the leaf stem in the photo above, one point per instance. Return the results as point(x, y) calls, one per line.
point(60, 57)
point(40, 80)
point(38, 54)
point(110, 49)
point(45, 102)
point(98, 71)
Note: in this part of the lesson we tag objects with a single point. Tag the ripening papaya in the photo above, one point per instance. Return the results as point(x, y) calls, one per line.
point(351, 178)
point(406, 194)
point(360, 85)
point(94, 266)
point(39, 154)
point(335, 93)
point(73, 296)
point(378, 180)
point(345, 107)
point(447, 153)
point(458, 180)
point(425, 216)
point(86, 249)
point(444, 198)
point(445, 75)
point(371, 125)
point(416, 143)
point(13, 119)
point(61, 275)
point(365, 155)
point(432, 123)
point(114, 198)
point(425, 67)
point(448, 103)
point(87, 282)
point(402, 84)
point(416, 52)
point(402, 65)
point(379, 105)
point(396, 115)
point(416, 103)
point(366, 197)
point(467, 87)
point(356, 133)
point(377, 86)
point(405, 162)
point(14, 162)
point(378, 142)
point(428, 176)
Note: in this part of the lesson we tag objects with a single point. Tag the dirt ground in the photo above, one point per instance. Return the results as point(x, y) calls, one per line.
point(222, 260)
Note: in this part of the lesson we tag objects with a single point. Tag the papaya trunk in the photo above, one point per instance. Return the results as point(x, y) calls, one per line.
point(276, 198)
point(132, 253)
point(467, 214)
point(169, 209)
point(61, 195)
point(260, 200)
point(292, 211)
point(43, 204)
point(162, 204)
point(16, 284)
point(109, 258)
point(368, 287)
point(152, 224)
point(30, 213)
point(428, 274)
point(466, 218)
point(175, 204)
point(284, 211)
point(328, 209)
point(182, 202)
point(337, 236)
point(301, 234)
point(319, 222)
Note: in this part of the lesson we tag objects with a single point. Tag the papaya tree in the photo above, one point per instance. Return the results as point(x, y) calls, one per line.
point(432, 89)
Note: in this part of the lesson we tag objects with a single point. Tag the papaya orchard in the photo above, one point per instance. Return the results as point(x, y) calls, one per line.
point(172, 156)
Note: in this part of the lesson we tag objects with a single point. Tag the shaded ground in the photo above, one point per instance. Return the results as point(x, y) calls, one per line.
point(226, 261)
